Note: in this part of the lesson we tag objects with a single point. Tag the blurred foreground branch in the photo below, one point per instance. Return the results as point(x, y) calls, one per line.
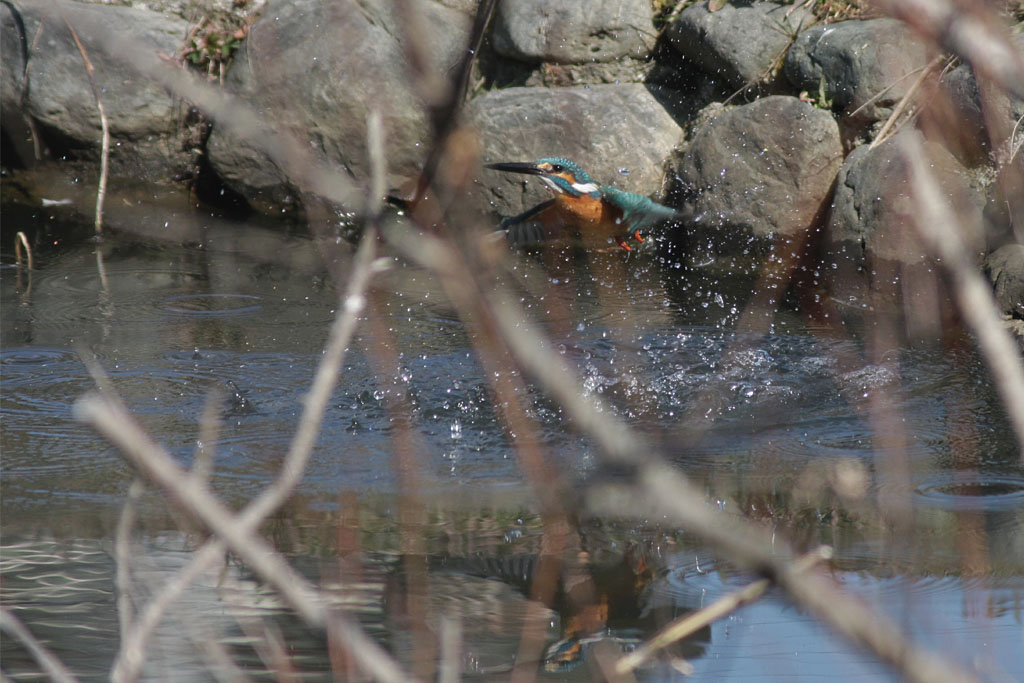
point(662, 490)
point(691, 623)
point(970, 30)
point(936, 223)
point(50, 665)
point(239, 533)
point(510, 343)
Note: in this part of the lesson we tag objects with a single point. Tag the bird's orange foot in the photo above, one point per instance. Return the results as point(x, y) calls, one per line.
point(622, 243)
point(637, 237)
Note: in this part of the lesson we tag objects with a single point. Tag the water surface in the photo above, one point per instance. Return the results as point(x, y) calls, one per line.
point(775, 426)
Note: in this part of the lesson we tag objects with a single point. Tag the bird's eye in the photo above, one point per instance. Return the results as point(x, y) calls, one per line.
point(557, 168)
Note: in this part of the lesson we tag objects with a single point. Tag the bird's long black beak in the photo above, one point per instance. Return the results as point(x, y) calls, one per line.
point(516, 167)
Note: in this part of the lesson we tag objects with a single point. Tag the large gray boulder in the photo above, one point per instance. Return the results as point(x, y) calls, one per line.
point(318, 70)
point(573, 31)
point(620, 134)
point(740, 43)
point(145, 120)
point(872, 212)
point(757, 171)
point(858, 60)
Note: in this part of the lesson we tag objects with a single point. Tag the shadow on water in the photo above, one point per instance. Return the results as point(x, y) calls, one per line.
point(772, 426)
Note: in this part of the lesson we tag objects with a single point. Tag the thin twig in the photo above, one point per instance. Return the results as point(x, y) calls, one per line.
point(110, 418)
point(904, 103)
point(658, 494)
point(442, 112)
point(134, 644)
point(685, 626)
point(937, 225)
point(921, 70)
point(451, 649)
point(774, 64)
point(676, 11)
point(101, 191)
point(219, 662)
point(126, 667)
point(378, 165)
point(209, 427)
point(1014, 146)
point(123, 558)
point(108, 415)
point(977, 35)
point(347, 318)
point(21, 241)
point(24, 51)
point(665, 491)
point(49, 663)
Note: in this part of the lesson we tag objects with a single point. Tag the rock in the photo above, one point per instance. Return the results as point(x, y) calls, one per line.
point(758, 170)
point(992, 122)
point(962, 87)
point(858, 60)
point(573, 31)
point(620, 134)
point(740, 43)
point(319, 69)
point(871, 211)
point(145, 120)
point(1005, 268)
point(550, 75)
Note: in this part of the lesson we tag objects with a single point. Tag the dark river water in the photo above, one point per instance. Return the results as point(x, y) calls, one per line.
point(776, 426)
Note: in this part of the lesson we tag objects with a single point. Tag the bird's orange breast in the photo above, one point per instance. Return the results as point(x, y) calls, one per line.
point(590, 214)
point(588, 221)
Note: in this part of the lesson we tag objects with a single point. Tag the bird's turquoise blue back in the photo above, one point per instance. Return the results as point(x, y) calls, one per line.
point(638, 212)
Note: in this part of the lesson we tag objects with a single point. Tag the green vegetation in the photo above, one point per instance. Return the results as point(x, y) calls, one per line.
point(212, 43)
point(821, 100)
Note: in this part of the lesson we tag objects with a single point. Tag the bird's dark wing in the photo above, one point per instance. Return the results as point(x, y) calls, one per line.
point(529, 227)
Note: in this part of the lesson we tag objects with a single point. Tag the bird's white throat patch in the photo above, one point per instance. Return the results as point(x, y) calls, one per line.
point(582, 188)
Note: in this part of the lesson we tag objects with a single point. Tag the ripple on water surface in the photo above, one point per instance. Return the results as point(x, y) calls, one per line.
point(972, 491)
point(213, 304)
point(37, 384)
point(80, 292)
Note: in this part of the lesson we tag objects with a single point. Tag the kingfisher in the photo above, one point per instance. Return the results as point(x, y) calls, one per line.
point(580, 206)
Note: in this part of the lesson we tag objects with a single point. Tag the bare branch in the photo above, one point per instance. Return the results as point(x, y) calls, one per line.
point(101, 190)
point(19, 242)
point(108, 415)
point(123, 555)
point(202, 464)
point(49, 663)
point(131, 655)
point(976, 36)
point(658, 494)
point(685, 626)
point(937, 225)
point(889, 128)
point(665, 492)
